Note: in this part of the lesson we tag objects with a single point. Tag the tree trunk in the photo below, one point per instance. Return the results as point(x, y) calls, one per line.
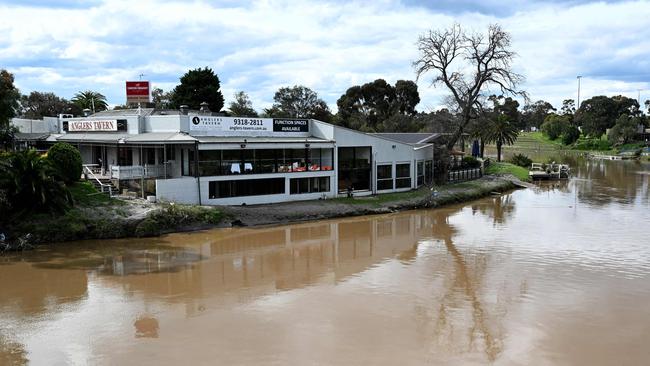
point(499, 143)
point(482, 149)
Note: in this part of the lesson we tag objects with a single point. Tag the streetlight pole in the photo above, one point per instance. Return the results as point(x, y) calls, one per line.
point(578, 105)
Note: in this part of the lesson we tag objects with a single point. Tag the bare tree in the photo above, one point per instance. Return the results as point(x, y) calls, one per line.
point(468, 64)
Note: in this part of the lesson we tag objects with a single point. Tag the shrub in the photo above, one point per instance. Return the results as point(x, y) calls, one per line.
point(570, 134)
point(521, 160)
point(470, 162)
point(554, 125)
point(592, 144)
point(66, 159)
point(173, 216)
point(30, 185)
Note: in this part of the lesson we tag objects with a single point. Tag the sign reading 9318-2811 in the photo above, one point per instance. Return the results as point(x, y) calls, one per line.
point(232, 126)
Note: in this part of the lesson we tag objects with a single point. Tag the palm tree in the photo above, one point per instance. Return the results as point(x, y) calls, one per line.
point(92, 100)
point(501, 131)
point(31, 184)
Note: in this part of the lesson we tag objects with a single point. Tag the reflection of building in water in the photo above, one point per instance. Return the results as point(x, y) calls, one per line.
point(35, 289)
point(246, 263)
point(149, 261)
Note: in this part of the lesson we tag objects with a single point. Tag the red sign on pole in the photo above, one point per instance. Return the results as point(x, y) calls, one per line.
point(137, 92)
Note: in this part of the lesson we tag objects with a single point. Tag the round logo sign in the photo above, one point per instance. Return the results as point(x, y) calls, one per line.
point(196, 120)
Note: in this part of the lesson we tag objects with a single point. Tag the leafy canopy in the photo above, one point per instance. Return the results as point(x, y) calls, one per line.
point(298, 102)
point(66, 159)
point(242, 106)
point(9, 97)
point(31, 185)
point(198, 86)
point(95, 101)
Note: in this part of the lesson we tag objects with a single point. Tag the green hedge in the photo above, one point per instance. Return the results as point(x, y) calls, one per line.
point(66, 159)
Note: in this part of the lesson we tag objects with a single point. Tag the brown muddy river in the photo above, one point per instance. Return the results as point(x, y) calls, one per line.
point(558, 275)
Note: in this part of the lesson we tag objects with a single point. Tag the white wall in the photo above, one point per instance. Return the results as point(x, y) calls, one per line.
point(162, 123)
point(275, 198)
point(180, 190)
point(185, 189)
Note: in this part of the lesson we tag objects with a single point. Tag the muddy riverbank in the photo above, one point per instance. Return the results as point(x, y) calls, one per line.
point(424, 197)
point(138, 218)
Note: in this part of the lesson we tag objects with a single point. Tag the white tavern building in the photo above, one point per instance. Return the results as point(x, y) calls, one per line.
point(197, 157)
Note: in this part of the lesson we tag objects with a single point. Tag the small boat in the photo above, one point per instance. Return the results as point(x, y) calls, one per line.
point(549, 171)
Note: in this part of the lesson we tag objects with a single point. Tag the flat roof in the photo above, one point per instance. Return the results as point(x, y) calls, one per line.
point(32, 136)
point(411, 138)
point(93, 137)
point(260, 139)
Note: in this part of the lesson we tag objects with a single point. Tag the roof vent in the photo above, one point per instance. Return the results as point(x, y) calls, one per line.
point(204, 108)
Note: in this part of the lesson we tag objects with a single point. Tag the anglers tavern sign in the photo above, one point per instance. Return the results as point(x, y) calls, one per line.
point(93, 125)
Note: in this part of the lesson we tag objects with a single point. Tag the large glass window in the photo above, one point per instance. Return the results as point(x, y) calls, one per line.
point(403, 176)
point(170, 151)
point(420, 173)
point(309, 185)
point(231, 162)
point(384, 177)
point(245, 187)
point(209, 162)
point(264, 161)
point(354, 168)
point(327, 161)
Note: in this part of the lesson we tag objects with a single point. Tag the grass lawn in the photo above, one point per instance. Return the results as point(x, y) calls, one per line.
point(525, 138)
point(383, 198)
point(501, 168)
point(85, 194)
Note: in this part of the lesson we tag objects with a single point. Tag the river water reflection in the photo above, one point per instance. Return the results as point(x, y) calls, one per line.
point(554, 275)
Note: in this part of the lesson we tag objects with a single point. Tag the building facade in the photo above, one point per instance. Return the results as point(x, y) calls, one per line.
point(201, 158)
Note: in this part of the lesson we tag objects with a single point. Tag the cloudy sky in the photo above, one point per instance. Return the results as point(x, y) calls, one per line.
point(259, 46)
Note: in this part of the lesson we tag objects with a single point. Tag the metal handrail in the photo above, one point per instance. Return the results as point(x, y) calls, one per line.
point(88, 171)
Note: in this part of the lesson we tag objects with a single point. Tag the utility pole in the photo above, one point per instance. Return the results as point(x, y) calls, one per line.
point(578, 105)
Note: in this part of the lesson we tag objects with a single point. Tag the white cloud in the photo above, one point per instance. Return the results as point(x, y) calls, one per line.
point(260, 46)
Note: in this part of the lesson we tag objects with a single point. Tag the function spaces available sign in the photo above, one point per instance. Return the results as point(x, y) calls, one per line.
point(137, 92)
point(93, 125)
point(248, 126)
point(290, 125)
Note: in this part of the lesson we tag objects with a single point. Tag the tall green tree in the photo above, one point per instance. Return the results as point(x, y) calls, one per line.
point(372, 105)
point(534, 114)
point(625, 129)
point(242, 106)
point(508, 107)
point(407, 97)
point(298, 102)
point(502, 132)
point(37, 105)
point(599, 113)
point(160, 99)
point(198, 86)
point(95, 101)
point(32, 185)
point(9, 97)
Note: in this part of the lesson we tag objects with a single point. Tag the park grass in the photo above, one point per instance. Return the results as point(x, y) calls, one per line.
point(502, 168)
point(382, 199)
point(526, 139)
point(85, 194)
